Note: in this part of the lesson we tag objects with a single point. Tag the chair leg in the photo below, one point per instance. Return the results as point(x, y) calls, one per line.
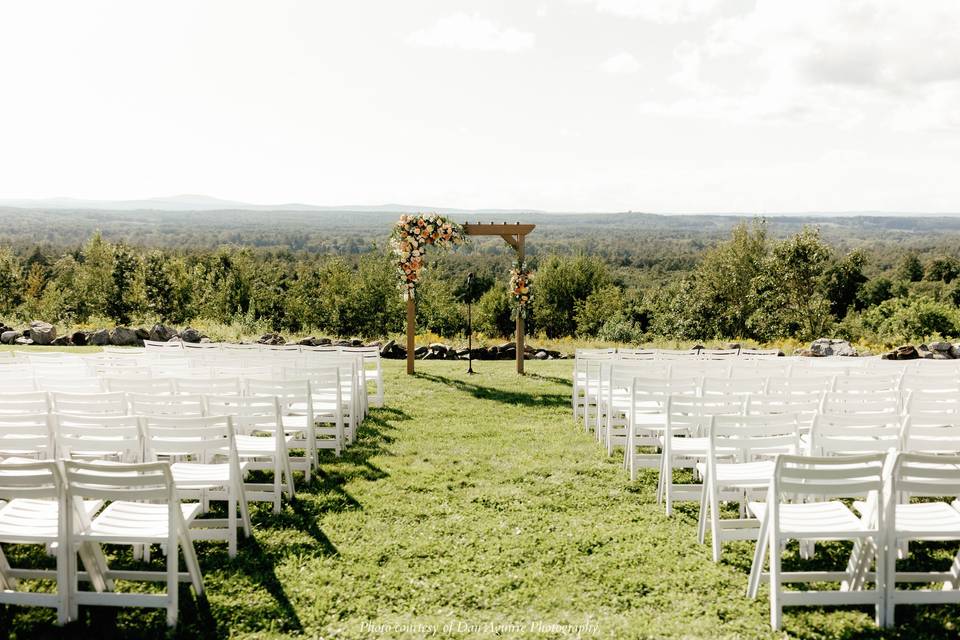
point(277, 482)
point(173, 582)
point(759, 554)
point(241, 501)
point(880, 584)
point(714, 508)
point(193, 565)
point(891, 581)
point(7, 581)
point(702, 516)
point(232, 524)
point(63, 582)
point(776, 608)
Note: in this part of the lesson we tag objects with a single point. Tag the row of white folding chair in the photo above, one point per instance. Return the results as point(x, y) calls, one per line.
point(848, 391)
point(354, 377)
point(592, 380)
point(831, 435)
point(251, 413)
point(665, 415)
point(803, 503)
point(203, 452)
point(142, 508)
point(331, 402)
point(370, 356)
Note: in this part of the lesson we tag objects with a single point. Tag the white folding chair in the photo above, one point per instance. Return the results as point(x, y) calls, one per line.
point(26, 436)
point(372, 369)
point(296, 407)
point(143, 404)
point(331, 401)
point(98, 437)
point(931, 478)
point(684, 442)
point(855, 433)
point(204, 466)
point(109, 403)
point(739, 464)
point(203, 386)
point(32, 515)
point(144, 385)
point(143, 509)
point(581, 356)
point(261, 441)
point(866, 402)
point(24, 402)
point(803, 503)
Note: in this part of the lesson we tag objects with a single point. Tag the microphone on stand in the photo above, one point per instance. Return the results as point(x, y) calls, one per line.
point(469, 323)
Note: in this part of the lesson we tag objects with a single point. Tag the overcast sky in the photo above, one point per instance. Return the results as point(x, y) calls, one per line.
point(562, 105)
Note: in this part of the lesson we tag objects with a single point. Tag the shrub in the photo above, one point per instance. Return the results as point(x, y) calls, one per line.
point(491, 315)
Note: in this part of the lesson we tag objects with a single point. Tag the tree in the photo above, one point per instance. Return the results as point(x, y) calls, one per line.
point(791, 289)
point(724, 280)
point(601, 305)
point(943, 268)
point(11, 274)
point(492, 315)
point(94, 278)
point(843, 282)
point(875, 291)
point(158, 287)
point(910, 269)
point(561, 283)
point(120, 299)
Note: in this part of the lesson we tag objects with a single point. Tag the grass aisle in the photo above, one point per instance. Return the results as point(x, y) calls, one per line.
point(474, 503)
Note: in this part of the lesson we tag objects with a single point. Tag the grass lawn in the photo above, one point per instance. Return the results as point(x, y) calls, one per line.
point(475, 503)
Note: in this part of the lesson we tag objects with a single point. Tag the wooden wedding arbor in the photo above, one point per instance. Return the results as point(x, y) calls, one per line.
point(514, 234)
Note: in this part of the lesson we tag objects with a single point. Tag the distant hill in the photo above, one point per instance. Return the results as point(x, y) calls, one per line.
point(192, 202)
point(194, 222)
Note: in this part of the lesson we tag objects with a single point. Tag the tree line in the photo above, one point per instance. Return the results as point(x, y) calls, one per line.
point(749, 286)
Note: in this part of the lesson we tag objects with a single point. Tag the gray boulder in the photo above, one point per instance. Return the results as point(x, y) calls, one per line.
point(99, 338)
point(124, 337)
point(23, 340)
point(271, 339)
point(7, 337)
point(190, 335)
point(906, 352)
point(308, 342)
point(42, 332)
point(161, 333)
point(79, 338)
point(61, 341)
point(387, 349)
point(831, 347)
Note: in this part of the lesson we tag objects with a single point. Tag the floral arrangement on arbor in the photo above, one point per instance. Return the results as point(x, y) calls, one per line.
point(410, 238)
point(521, 286)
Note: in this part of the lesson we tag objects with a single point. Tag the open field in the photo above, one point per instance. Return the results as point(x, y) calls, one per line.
point(472, 501)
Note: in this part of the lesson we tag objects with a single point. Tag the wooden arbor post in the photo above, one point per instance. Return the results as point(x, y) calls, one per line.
point(514, 235)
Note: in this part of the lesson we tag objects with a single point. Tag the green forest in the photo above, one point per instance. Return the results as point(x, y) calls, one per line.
point(618, 278)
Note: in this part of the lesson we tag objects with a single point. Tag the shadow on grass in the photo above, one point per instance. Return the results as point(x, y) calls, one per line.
point(522, 398)
point(566, 382)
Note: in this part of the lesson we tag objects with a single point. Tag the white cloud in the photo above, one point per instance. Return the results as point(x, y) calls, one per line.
point(462, 31)
point(659, 11)
point(622, 63)
point(826, 61)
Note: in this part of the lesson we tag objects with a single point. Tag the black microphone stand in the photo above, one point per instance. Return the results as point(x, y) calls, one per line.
point(469, 323)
